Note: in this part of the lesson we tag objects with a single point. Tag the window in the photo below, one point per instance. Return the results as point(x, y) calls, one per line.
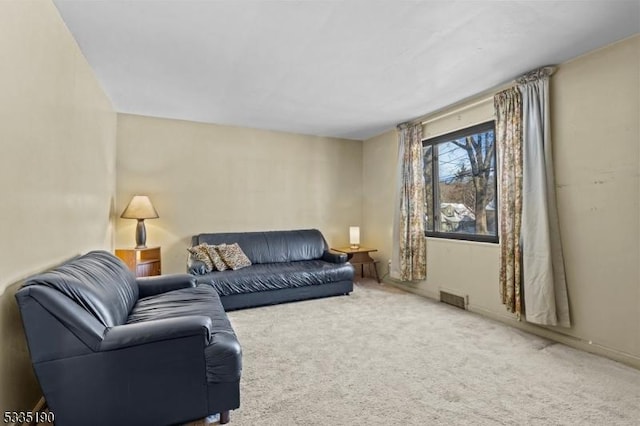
point(460, 179)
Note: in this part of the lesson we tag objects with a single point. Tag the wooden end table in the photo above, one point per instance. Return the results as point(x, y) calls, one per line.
point(144, 262)
point(360, 256)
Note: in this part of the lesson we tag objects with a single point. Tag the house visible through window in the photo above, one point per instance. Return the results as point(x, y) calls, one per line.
point(460, 179)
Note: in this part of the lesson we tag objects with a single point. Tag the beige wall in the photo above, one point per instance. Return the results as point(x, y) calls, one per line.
point(57, 169)
point(379, 177)
point(597, 148)
point(595, 116)
point(211, 178)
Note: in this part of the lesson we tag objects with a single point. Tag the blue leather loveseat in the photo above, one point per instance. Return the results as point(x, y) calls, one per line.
point(110, 349)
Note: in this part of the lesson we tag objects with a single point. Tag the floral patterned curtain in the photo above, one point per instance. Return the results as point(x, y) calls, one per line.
point(508, 106)
point(409, 261)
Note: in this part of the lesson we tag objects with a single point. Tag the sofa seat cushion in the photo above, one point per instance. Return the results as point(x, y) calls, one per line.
point(274, 276)
point(222, 355)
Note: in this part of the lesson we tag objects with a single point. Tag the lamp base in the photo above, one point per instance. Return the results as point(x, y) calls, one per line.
point(141, 235)
point(355, 246)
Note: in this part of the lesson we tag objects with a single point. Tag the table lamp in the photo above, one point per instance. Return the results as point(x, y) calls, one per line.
point(140, 208)
point(354, 237)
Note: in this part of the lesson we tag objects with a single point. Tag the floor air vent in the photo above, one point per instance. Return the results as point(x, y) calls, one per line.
point(452, 299)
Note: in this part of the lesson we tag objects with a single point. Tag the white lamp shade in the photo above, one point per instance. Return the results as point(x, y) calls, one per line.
point(139, 207)
point(354, 235)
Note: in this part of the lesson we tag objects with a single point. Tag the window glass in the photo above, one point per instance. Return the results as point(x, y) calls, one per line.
point(460, 179)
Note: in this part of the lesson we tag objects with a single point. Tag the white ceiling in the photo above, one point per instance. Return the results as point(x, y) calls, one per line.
point(349, 69)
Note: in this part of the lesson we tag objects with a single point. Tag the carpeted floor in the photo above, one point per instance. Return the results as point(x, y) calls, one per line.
point(383, 356)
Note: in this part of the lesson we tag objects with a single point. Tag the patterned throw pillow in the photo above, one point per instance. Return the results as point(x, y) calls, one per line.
point(233, 256)
point(217, 261)
point(200, 253)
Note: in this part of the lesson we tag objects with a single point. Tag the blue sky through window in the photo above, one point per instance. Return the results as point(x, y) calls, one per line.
point(451, 157)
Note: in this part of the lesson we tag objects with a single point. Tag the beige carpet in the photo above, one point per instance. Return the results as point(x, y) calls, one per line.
point(382, 356)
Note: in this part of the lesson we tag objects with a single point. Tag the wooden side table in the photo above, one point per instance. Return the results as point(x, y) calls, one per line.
point(360, 256)
point(142, 262)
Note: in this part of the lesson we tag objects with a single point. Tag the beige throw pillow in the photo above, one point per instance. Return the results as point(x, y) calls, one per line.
point(233, 256)
point(217, 261)
point(200, 253)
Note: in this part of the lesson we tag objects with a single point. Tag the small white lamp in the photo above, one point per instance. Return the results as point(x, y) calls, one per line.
point(354, 237)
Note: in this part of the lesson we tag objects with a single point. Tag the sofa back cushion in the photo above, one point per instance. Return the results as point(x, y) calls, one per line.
point(271, 246)
point(98, 281)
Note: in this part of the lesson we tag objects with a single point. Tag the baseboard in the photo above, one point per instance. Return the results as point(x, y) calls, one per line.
point(572, 341)
point(411, 288)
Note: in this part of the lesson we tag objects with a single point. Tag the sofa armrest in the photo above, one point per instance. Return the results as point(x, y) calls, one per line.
point(196, 267)
point(148, 286)
point(328, 256)
point(141, 333)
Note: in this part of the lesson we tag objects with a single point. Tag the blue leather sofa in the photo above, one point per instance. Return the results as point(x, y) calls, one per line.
point(110, 349)
point(286, 266)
